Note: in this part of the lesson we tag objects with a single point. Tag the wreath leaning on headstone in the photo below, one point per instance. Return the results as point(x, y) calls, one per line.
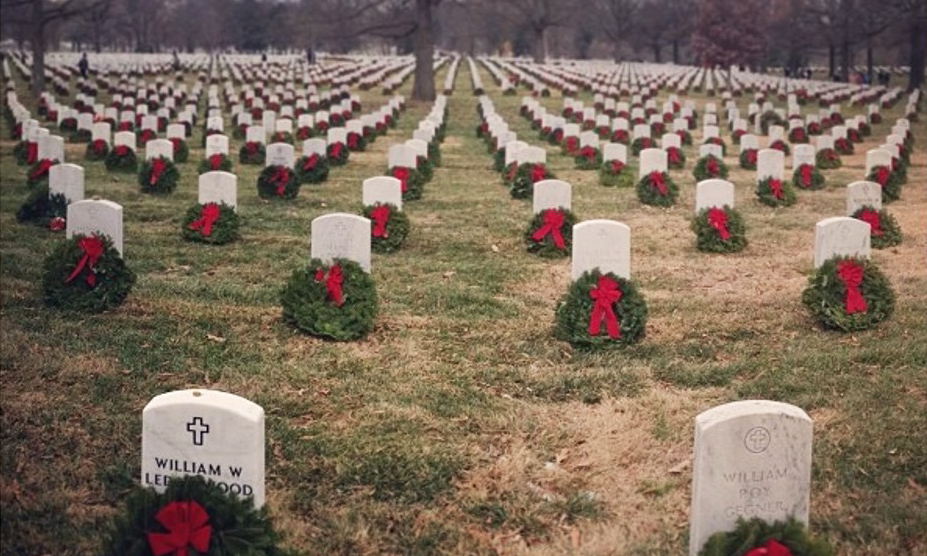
point(719, 230)
point(216, 162)
point(38, 172)
point(849, 294)
point(389, 227)
point(181, 150)
point(601, 310)
point(311, 169)
point(121, 159)
point(550, 233)
point(615, 173)
point(528, 174)
point(710, 167)
point(885, 231)
point(278, 182)
point(775, 192)
point(252, 152)
point(192, 516)
point(411, 182)
point(337, 301)
point(86, 273)
point(807, 176)
point(43, 209)
point(748, 158)
point(97, 150)
point(827, 159)
point(215, 223)
point(889, 180)
point(757, 537)
point(158, 175)
point(657, 189)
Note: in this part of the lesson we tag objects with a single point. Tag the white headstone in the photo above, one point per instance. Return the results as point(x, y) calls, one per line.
point(803, 154)
point(602, 244)
point(713, 193)
point(824, 142)
point(532, 155)
point(337, 135)
point(256, 134)
point(710, 132)
point(615, 151)
point(652, 160)
point(67, 180)
point(877, 157)
point(176, 131)
point(51, 147)
point(770, 163)
point(159, 147)
point(840, 235)
point(710, 149)
point(315, 146)
point(863, 193)
point(280, 154)
point(216, 435)
point(749, 141)
point(217, 144)
point(126, 138)
point(752, 459)
point(96, 217)
point(218, 187)
point(101, 130)
point(341, 236)
point(511, 151)
point(384, 190)
point(551, 194)
point(402, 156)
point(671, 140)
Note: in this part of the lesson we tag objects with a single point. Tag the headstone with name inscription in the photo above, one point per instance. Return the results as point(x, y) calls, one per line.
point(651, 160)
point(341, 236)
point(863, 194)
point(67, 180)
point(383, 190)
point(841, 236)
point(551, 194)
point(602, 244)
point(280, 154)
point(713, 193)
point(217, 144)
point(89, 217)
point(159, 147)
point(218, 187)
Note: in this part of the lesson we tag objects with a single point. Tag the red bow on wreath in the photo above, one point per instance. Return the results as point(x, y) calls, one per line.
point(310, 163)
point(42, 169)
point(334, 151)
point(872, 218)
point(776, 187)
point(251, 147)
point(882, 175)
point(32, 152)
point(553, 222)
point(717, 218)
point(807, 174)
point(281, 177)
point(711, 165)
point(158, 167)
point(99, 146)
point(208, 217)
point(176, 142)
point(332, 283)
point(538, 173)
point(353, 141)
point(605, 295)
point(121, 150)
point(380, 216)
point(187, 524)
point(92, 247)
point(656, 180)
point(588, 153)
point(771, 548)
point(402, 174)
point(617, 166)
point(57, 224)
point(673, 154)
point(752, 156)
point(851, 274)
point(215, 161)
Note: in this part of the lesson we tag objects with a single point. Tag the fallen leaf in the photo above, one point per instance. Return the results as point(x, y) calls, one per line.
point(680, 467)
point(214, 338)
point(495, 248)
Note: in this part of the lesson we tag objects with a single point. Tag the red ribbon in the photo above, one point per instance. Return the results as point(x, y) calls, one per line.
point(538, 173)
point(208, 217)
point(353, 141)
point(882, 175)
point(42, 169)
point(871, 217)
point(851, 274)
point(251, 147)
point(656, 180)
point(752, 156)
point(605, 295)
point(572, 144)
point(776, 187)
point(215, 161)
point(187, 524)
point(157, 168)
point(121, 150)
point(617, 166)
point(32, 152)
point(673, 154)
point(771, 548)
point(176, 141)
point(380, 216)
point(588, 153)
point(553, 222)
point(402, 174)
point(332, 283)
point(92, 246)
point(334, 151)
point(57, 224)
point(807, 174)
point(99, 146)
point(711, 166)
point(717, 218)
point(281, 177)
point(310, 163)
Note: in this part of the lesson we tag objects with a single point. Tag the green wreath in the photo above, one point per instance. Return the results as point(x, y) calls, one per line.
point(770, 118)
point(756, 533)
point(885, 229)
point(781, 145)
point(768, 196)
point(657, 189)
point(717, 141)
point(827, 295)
point(121, 159)
point(240, 131)
point(81, 136)
point(889, 180)
point(844, 146)
point(574, 315)
point(434, 153)
point(278, 182)
point(217, 162)
point(69, 285)
point(281, 137)
point(541, 240)
point(311, 169)
point(640, 144)
point(748, 159)
point(38, 172)
point(96, 150)
point(41, 208)
point(393, 233)
point(525, 177)
point(215, 223)
point(710, 167)
point(181, 150)
point(21, 152)
point(337, 154)
point(236, 527)
point(736, 135)
point(808, 177)
point(827, 159)
point(252, 152)
point(675, 158)
point(615, 173)
point(308, 305)
point(411, 181)
point(158, 175)
point(684, 136)
point(719, 230)
point(588, 158)
point(356, 142)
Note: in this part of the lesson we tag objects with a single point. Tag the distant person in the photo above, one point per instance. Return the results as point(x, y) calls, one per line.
point(83, 65)
point(176, 61)
point(310, 56)
point(884, 78)
point(264, 57)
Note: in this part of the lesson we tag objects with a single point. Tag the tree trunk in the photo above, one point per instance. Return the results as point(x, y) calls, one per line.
point(423, 88)
point(675, 51)
point(869, 59)
point(845, 59)
point(918, 47)
point(540, 48)
point(832, 59)
point(656, 52)
point(38, 47)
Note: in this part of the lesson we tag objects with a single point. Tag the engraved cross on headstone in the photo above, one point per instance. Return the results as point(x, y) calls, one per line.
point(199, 430)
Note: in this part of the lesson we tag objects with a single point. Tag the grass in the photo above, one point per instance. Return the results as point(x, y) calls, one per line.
point(461, 426)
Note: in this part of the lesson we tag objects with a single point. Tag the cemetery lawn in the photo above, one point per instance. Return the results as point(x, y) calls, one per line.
point(460, 425)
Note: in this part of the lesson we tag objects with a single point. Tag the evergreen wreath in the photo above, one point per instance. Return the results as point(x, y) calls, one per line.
point(526, 176)
point(304, 132)
point(736, 135)
point(875, 118)
point(311, 169)
point(425, 167)
point(337, 154)
point(389, 227)
point(498, 160)
point(675, 158)
point(121, 159)
point(615, 173)
point(717, 141)
point(81, 136)
point(181, 150)
point(25, 152)
point(814, 128)
point(240, 131)
point(684, 136)
point(158, 175)
point(798, 135)
point(657, 189)
point(781, 145)
point(252, 152)
point(827, 159)
point(621, 136)
point(808, 177)
point(769, 118)
point(719, 230)
point(775, 193)
point(282, 137)
point(38, 172)
point(889, 180)
point(218, 524)
point(215, 223)
point(550, 233)
point(86, 273)
point(849, 294)
point(68, 125)
point(588, 158)
point(146, 135)
point(356, 142)
point(411, 181)
point(337, 302)
point(601, 310)
point(710, 167)
point(885, 230)
point(757, 537)
point(216, 162)
point(434, 153)
point(843, 146)
point(748, 159)
point(640, 144)
point(865, 129)
point(570, 146)
point(41, 208)
point(278, 182)
point(97, 150)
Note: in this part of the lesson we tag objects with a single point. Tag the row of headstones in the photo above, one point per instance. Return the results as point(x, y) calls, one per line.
point(752, 458)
